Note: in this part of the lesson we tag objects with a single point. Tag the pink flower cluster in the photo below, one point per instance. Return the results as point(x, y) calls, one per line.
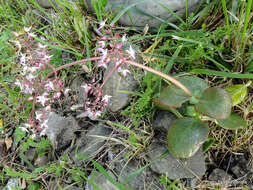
point(111, 45)
point(35, 63)
point(96, 102)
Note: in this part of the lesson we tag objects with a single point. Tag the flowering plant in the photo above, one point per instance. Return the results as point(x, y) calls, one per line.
point(185, 136)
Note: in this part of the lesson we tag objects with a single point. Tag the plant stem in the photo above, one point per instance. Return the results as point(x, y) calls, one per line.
point(171, 79)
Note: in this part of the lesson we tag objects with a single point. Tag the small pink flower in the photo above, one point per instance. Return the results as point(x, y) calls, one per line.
point(31, 35)
point(102, 44)
point(106, 98)
point(131, 52)
point(102, 24)
point(66, 91)
point(119, 46)
point(27, 29)
point(86, 88)
point(123, 71)
point(124, 39)
point(42, 99)
point(15, 34)
point(101, 63)
point(50, 86)
point(57, 95)
point(30, 98)
point(41, 46)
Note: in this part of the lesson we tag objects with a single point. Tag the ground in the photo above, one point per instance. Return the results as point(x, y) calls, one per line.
point(120, 140)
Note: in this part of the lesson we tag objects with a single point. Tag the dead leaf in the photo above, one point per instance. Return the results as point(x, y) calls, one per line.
point(8, 142)
point(22, 183)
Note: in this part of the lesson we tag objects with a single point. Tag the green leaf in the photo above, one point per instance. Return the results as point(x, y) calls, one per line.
point(208, 144)
point(238, 92)
point(185, 136)
point(19, 134)
point(173, 96)
point(215, 103)
point(233, 122)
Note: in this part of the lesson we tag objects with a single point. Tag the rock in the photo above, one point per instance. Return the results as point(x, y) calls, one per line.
point(145, 180)
point(13, 183)
point(240, 166)
point(99, 180)
point(117, 83)
point(46, 3)
point(91, 143)
point(163, 120)
point(220, 176)
point(150, 7)
point(30, 154)
point(60, 130)
point(77, 90)
point(176, 168)
point(41, 161)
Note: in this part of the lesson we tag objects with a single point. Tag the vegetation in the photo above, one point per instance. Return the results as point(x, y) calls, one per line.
point(212, 48)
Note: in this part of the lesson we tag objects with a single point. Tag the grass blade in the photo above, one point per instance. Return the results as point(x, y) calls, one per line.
point(222, 74)
point(123, 11)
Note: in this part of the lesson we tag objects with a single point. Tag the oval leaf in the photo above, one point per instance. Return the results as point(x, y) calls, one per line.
point(194, 84)
point(173, 96)
point(238, 92)
point(233, 122)
point(215, 103)
point(185, 136)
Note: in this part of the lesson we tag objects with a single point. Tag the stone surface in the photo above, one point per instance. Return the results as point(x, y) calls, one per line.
point(145, 180)
point(113, 87)
point(163, 120)
point(99, 180)
point(48, 3)
point(149, 7)
point(77, 90)
point(91, 143)
point(60, 130)
point(41, 161)
point(176, 168)
point(220, 176)
point(13, 183)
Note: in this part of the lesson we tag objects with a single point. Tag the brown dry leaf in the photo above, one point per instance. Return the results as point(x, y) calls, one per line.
point(8, 142)
point(3, 151)
point(22, 183)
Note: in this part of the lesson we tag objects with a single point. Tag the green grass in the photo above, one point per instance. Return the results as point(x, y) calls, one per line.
point(215, 43)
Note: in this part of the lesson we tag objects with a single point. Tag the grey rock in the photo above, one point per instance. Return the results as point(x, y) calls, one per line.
point(49, 3)
point(30, 154)
point(149, 7)
point(176, 168)
point(60, 130)
point(240, 166)
point(77, 90)
point(163, 120)
point(41, 161)
point(13, 183)
point(220, 176)
point(91, 143)
point(99, 180)
point(117, 83)
point(145, 180)
point(46, 3)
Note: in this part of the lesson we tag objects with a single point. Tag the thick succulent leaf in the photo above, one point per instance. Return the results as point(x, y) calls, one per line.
point(173, 96)
point(233, 122)
point(238, 92)
point(215, 103)
point(185, 136)
point(194, 84)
